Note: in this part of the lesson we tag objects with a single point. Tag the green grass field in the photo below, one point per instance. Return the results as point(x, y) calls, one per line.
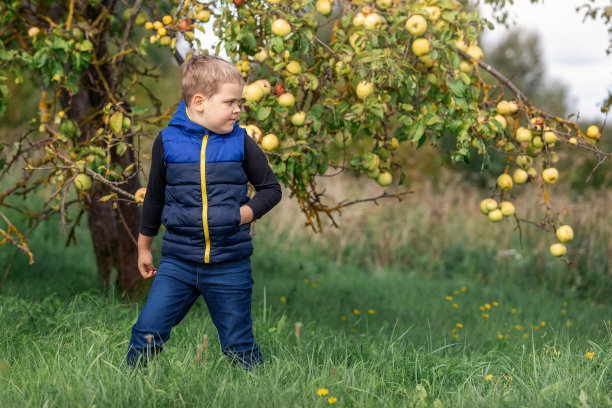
point(419, 327)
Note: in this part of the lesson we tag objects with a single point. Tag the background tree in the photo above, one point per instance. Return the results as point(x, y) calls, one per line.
point(390, 73)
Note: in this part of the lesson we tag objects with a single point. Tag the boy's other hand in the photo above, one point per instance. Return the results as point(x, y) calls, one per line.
point(145, 264)
point(246, 214)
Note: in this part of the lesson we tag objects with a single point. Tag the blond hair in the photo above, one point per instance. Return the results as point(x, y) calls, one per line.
point(204, 74)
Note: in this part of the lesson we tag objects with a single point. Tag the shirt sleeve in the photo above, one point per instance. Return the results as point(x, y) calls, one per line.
point(261, 177)
point(153, 204)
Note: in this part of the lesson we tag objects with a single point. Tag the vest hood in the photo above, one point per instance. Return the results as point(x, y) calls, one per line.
point(182, 121)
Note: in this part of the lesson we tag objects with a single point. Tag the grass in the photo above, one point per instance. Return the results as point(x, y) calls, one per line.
point(375, 302)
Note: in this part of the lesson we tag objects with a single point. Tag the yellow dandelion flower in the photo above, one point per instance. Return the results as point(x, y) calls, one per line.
point(564, 303)
point(495, 304)
point(487, 306)
point(513, 310)
point(332, 400)
point(526, 335)
point(449, 298)
point(482, 308)
point(371, 311)
point(354, 330)
point(343, 318)
point(315, 285)
point(568, 323)
point(283, 299)
point(356, 311)
point(518, 327)
point(455, 306)
point(464, 289)
point(489, 377)
point(454, 336)
point(322, 392)
point(455, 292)
point(542, 324)
point(500, 336)
point(486, 316)
point(590, 355)
point(318, 280)
point(454, 330)
point(459, 325)
point(563, 311)
point(306, 281)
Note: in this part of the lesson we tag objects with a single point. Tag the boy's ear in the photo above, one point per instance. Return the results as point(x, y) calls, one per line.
point(197, 102)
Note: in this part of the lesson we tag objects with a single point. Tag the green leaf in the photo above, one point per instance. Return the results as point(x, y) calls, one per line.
point(458, 88)
point(263, 113)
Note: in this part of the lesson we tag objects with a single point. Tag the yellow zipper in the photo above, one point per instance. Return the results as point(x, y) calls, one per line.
point(204, 198)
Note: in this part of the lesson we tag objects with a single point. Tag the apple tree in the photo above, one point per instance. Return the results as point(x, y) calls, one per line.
point(332, 86)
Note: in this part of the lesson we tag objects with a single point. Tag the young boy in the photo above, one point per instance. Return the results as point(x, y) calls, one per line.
point(197, 188)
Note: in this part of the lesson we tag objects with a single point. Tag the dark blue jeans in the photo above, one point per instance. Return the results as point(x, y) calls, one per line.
point(226, 288)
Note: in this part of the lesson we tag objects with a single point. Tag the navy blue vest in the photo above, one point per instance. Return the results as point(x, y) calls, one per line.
point(205, 187)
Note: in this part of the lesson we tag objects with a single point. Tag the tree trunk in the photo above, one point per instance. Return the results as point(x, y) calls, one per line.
point(113, 225)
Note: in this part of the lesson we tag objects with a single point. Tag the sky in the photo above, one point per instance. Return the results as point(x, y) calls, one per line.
point(574, 51)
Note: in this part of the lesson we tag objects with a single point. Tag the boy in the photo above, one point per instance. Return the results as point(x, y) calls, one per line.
point(197, 188)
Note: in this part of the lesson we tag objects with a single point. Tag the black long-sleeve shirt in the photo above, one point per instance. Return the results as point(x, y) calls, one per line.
point(255, 166)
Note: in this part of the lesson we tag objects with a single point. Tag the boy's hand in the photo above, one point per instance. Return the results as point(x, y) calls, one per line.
point(246, 214)
point(145, 257)
point(145, 264)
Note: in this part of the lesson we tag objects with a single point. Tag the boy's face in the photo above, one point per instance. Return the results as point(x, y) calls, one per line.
point(219, 112)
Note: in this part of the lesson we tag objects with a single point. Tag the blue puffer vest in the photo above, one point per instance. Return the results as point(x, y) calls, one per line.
point(205, 187)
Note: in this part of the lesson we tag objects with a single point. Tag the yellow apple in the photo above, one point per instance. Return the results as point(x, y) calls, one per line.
point(513, 106)
point(269, 142)
point(298, 118)
point(394, 143)
point(507, 208)
point(523, 135)
point(261, 56)
point(466, 67)
point(427, 61)
point(550, 175)
point(364, 89)
point(501, 120)
point(524, 161)
point(573, 140)
point(253, 92)
point(33, 31)
point(323, 7)
point(294, 67)
point(384, 4)
point(565, 233)
point(503, 108)
point(254, 133)
point(593, 132)
point(537, 142)
point(203, 15)
point(416, 25)
point(461, 45)
point(475, 52)
point(504, 181)
point(550, 137)
point(520, 176)
point(372, 21)
point(281, 27)
point(265, 85)
point(532, 172)
point(358, 19)
point(385, 178)
point(139, 195)
point(487, 205)
point(558, 249)
point(82, 182)
point(167, 19)
point(287, 99)
point(420, 46)
point(496, 215)
point(434, 12)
